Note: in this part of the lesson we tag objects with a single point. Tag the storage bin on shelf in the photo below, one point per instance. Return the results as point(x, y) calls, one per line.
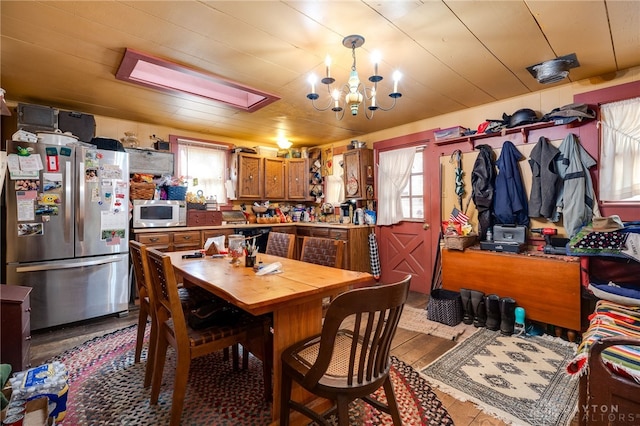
point(176, 193)
point(141, 190)
point(449, 133)
point(459, 242)
point(196, 206)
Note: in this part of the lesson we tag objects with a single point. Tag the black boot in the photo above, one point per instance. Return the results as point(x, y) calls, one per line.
point(465, 295)
point(492, 303)
point(508, 314)
point(479, 310)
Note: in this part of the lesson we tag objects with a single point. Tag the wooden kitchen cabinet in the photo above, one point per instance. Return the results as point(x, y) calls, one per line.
point(297, 179)
point(150, 161)
point(548, 288)
point(171, 241)
point(188, 240)
point(275, 178)
point(162, 241)
point(358, 174)
point(15, 313)
point(250, 176)
point(270, 178)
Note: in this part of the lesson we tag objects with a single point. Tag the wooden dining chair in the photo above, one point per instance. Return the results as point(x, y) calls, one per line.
point(190, 298)
point(281, 244)
point(348, 359)
point(322, 251)
point(137, 252)
point(237, 327)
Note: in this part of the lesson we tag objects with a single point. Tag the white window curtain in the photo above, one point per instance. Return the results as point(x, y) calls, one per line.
point(620, 151)
point(335, 184)
point(394, 170)
point(207, 165)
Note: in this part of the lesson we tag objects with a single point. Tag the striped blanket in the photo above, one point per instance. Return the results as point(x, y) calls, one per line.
point(611, 319)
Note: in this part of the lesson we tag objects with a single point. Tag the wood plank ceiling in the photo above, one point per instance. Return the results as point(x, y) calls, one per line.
point(452, 54)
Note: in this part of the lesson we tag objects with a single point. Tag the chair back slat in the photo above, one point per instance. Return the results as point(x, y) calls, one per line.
point(281, 244)
point(369, 353)
point(322, 251)
point(140, 268)
point(165, 288)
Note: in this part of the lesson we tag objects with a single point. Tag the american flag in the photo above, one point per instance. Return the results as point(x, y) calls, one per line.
point(458, 216)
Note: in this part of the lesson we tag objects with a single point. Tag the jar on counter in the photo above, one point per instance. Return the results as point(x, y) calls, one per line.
point(236, 248)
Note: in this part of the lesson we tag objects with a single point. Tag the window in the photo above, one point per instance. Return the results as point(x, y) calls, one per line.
point(412, 196)
point(620, 151)
point(204, 166)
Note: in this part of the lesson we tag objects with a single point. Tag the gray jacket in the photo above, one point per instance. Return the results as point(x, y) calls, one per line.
point(577, 200)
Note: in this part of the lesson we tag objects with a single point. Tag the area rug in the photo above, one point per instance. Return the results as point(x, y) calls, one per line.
point(415, 319)
point(519, 380)
point(106, 388)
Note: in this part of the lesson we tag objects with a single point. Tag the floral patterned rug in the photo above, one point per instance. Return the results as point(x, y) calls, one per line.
point(105, 387)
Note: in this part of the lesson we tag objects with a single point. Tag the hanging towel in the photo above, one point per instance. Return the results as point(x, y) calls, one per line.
point(374, 256)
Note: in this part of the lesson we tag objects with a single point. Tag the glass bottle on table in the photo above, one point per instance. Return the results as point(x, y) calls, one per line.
point(236, 248)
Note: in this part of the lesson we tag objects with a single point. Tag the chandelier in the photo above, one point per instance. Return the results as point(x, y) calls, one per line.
point(353, 93)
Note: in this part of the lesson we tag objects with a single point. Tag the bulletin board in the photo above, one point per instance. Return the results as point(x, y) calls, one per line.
point(449, 198)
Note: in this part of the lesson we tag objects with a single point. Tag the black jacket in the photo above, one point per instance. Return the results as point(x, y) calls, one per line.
point(483, 187)
point(545, 180)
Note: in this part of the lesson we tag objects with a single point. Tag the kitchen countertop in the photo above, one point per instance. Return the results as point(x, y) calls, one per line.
point(251, 225)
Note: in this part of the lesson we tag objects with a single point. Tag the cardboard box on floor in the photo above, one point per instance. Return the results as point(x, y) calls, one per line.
point(36, 412)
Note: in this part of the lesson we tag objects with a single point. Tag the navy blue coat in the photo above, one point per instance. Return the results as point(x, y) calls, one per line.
point(510, 201)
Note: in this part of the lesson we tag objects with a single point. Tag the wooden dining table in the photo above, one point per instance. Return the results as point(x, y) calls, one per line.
point(294, 297)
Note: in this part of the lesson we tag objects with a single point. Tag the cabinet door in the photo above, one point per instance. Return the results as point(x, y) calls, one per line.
point(274, 178)
point(147, 161)
point(353, 181)
point(358, 174)
point(249, 176)
point(297, 179)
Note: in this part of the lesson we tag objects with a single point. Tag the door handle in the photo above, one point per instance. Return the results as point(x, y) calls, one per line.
point(426, 226)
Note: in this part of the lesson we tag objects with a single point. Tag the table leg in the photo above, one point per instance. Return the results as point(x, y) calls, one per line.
point(290, 325)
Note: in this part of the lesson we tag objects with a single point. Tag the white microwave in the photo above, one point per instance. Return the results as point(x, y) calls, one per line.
point(159, 213)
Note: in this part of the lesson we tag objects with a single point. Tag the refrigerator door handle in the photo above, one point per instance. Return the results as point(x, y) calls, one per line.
point(68, 207)
point(68, 265)
point(81, 205)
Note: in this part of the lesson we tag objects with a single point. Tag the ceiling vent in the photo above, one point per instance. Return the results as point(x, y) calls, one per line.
point(554, 70)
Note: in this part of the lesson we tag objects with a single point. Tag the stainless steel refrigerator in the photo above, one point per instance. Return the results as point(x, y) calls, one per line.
point(67, 230)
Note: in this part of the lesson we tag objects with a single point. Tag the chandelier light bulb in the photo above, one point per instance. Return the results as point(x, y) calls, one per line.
point(336, 100)
point(396, 78)
point(312, 81)
point(354, 93)
point(376, 57)
point(327, 79)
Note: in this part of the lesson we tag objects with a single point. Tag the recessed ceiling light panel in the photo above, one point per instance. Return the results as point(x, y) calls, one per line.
point(156, 73)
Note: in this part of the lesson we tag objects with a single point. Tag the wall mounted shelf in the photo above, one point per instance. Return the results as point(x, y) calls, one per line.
point(523, 130)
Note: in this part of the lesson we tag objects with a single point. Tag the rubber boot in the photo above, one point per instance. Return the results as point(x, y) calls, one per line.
point(479, 309)
point(508, 315)
point(465, 295)
point(492, 303)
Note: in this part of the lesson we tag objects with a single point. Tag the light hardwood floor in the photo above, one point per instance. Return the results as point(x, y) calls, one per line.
point(416, 349)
